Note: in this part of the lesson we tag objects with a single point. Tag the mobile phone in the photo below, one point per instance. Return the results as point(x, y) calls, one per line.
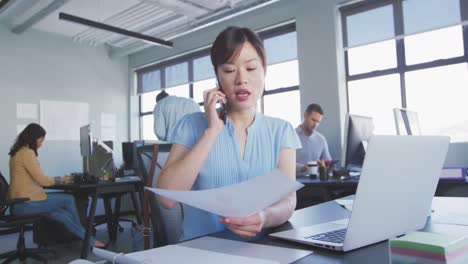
point(222, 108)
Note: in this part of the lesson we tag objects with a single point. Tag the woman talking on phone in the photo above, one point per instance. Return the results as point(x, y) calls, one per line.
point(214, 149)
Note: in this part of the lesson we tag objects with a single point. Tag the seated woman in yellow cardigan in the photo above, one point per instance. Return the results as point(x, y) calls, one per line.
point(27, 179)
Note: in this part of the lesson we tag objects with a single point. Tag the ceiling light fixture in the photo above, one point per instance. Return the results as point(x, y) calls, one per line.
point(102, 26)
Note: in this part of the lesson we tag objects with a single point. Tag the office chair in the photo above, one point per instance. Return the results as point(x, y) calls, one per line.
point(166, 223)
point(10, 223)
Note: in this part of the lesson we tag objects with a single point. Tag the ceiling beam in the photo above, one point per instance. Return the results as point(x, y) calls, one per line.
point(149, 29)
point(121, 31)
point(41, 14)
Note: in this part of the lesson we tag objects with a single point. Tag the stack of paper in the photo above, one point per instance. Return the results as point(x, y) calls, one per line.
point(174, 254)
point(429, 248)
point(207, 250)
point(281, 255)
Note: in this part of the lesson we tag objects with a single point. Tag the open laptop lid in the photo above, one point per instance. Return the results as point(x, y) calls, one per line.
point(396, 187)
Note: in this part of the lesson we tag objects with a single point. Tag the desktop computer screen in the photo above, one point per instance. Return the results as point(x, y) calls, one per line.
point(358, 131)
point(97, 155)
point(127, 154)
point(407, 122)
point(86, 140)
point(102, 159)
point(130, 158)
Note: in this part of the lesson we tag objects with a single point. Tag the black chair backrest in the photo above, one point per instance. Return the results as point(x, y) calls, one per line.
point(3, 194)
point(145, 156)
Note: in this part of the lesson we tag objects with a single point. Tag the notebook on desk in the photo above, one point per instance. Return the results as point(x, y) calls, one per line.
point(398, 181)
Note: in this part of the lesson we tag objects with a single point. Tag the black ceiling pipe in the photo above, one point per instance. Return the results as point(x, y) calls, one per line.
point(106, 27)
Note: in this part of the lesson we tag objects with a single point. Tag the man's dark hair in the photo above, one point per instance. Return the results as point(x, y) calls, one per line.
point(314, 108)
point(161, 95)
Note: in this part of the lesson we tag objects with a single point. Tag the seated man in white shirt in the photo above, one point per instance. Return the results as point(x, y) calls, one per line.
point(314, 144)
point(168, 110)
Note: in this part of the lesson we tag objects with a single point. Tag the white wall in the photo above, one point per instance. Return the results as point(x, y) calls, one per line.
point(321, 62)
point(40, 66)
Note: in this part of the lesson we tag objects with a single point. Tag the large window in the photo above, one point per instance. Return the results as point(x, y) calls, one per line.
point(410, 54)
point(190, 75)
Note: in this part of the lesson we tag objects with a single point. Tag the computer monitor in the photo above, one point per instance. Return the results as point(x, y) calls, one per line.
point(102, 159)
point(406, 122)
point(86, 140)
point(127, 154)
point(358, 131)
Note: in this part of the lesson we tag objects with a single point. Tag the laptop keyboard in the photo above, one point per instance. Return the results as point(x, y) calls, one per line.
point(335, 236)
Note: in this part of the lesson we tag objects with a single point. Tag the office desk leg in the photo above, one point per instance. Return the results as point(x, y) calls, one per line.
point(111, 224)
point(141, 196)
point(82, 203)
point(325, 194)
point(136, 208)
point(89, 226)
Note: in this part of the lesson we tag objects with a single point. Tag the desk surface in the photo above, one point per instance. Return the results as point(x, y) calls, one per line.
point(331, 182)
point(95, 190)
point(444, 187)
point(81, 186)
point(329, 211)
point(353, 181)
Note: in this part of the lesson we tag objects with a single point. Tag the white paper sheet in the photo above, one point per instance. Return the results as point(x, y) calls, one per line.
point(237, 200)
point(451, 218)
point(81, 261)
point(113, 257)
point(26, 111)
point(175, 254)
point(238, 248)
point(446, 211)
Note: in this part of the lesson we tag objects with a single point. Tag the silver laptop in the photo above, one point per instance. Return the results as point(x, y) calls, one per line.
point(398, 181)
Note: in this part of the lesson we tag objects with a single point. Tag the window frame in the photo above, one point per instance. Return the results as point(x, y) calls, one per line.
point(401, 68)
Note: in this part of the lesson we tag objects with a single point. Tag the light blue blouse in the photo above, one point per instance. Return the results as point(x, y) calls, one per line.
point(266, 137)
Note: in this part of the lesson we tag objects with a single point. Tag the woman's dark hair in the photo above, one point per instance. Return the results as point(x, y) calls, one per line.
point(229, 42)
point(28, 138)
